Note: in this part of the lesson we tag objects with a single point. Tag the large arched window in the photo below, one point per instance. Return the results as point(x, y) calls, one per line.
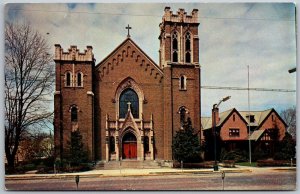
point(129, 97)
point(175, 47)
point(68, 78)
point(79, 79)
point(188, 47)
point(74, 116)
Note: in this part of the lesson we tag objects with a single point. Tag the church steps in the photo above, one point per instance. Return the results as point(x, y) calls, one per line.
point(128, 164)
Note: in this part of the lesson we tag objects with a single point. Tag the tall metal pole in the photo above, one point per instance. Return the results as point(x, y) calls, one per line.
point(249, 116)
point(215, 138)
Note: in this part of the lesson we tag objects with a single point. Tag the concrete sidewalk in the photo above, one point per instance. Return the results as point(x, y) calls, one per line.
point(143, 172)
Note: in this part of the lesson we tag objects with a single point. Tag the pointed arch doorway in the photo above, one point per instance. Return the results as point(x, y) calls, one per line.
point(129, 146)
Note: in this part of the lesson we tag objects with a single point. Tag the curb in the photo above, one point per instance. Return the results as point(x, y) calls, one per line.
point(68, 176)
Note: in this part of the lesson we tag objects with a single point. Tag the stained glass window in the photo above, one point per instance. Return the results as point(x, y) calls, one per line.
point(129, 96)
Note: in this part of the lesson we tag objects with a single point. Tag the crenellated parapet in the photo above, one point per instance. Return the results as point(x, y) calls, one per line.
point(73, 54)
point(180, 16)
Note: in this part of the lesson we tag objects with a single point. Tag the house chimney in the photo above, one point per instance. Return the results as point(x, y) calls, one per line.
point(215, 116)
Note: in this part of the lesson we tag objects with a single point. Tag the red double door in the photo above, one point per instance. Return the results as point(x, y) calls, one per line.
point(129, 150)
point(129, 147)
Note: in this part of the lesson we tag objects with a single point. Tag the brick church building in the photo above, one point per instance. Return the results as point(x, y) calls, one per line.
point(127, 107)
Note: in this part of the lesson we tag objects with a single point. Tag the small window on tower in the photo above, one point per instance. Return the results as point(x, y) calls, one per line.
point(182, 82)
point(74, 114)
point(79, 79)
point(175, 47)
point(182, 113)
point(68, 78)
point(187, 57)
point(188, 47)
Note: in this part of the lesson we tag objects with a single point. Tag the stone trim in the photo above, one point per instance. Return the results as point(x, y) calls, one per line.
point(90, 93)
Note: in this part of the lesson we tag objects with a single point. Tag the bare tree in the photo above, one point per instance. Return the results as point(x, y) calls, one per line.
point(29, 76)
point(289, 116)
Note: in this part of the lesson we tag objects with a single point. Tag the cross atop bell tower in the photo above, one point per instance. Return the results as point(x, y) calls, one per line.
point(128, 28)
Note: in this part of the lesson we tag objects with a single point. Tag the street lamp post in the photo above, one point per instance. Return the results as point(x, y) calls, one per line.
point(215, 106)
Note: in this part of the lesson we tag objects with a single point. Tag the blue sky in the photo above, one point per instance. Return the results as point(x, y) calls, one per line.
point(232, 36)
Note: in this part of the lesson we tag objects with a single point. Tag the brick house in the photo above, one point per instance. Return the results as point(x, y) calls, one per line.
point(127, 107)
point(232, 127)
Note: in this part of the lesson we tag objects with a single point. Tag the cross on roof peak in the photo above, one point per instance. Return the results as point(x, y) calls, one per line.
point(128, 28)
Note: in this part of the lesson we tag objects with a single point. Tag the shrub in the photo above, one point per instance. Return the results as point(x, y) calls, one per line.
point(208, 164)
point(287, 148)
point(236, 155)
point(28, 167)
point(262, 163)
point(258, 155)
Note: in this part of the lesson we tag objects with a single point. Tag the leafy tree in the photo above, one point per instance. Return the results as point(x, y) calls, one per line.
point(29, 76)
point(186, 145)
point(287, 148)
point(76, 152)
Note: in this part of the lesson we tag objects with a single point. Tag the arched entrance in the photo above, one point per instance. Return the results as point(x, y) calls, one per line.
point(129, 146)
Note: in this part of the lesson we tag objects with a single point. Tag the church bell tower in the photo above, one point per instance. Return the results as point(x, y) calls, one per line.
point(179, 59)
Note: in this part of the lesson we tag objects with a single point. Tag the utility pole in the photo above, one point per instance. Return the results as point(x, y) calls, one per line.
point(249, 117)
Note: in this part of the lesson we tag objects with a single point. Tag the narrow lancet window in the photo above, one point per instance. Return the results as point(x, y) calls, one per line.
point(74, 116)
point(188, 47)
point(68, 79)
point(79, 79)
point(182, 82)
point(175, 47)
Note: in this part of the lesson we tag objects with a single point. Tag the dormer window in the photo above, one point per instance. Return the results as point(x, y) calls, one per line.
point(250, 118)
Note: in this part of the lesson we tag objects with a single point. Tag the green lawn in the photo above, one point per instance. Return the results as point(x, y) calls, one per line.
point(246, 164)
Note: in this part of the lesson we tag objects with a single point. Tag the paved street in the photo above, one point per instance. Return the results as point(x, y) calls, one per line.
point(267, 179)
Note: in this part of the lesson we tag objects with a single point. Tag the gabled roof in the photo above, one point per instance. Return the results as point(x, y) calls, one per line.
point(121, 46)
point(260, 117)
point(223, 116)
point(256, 134)
point(206, 122)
